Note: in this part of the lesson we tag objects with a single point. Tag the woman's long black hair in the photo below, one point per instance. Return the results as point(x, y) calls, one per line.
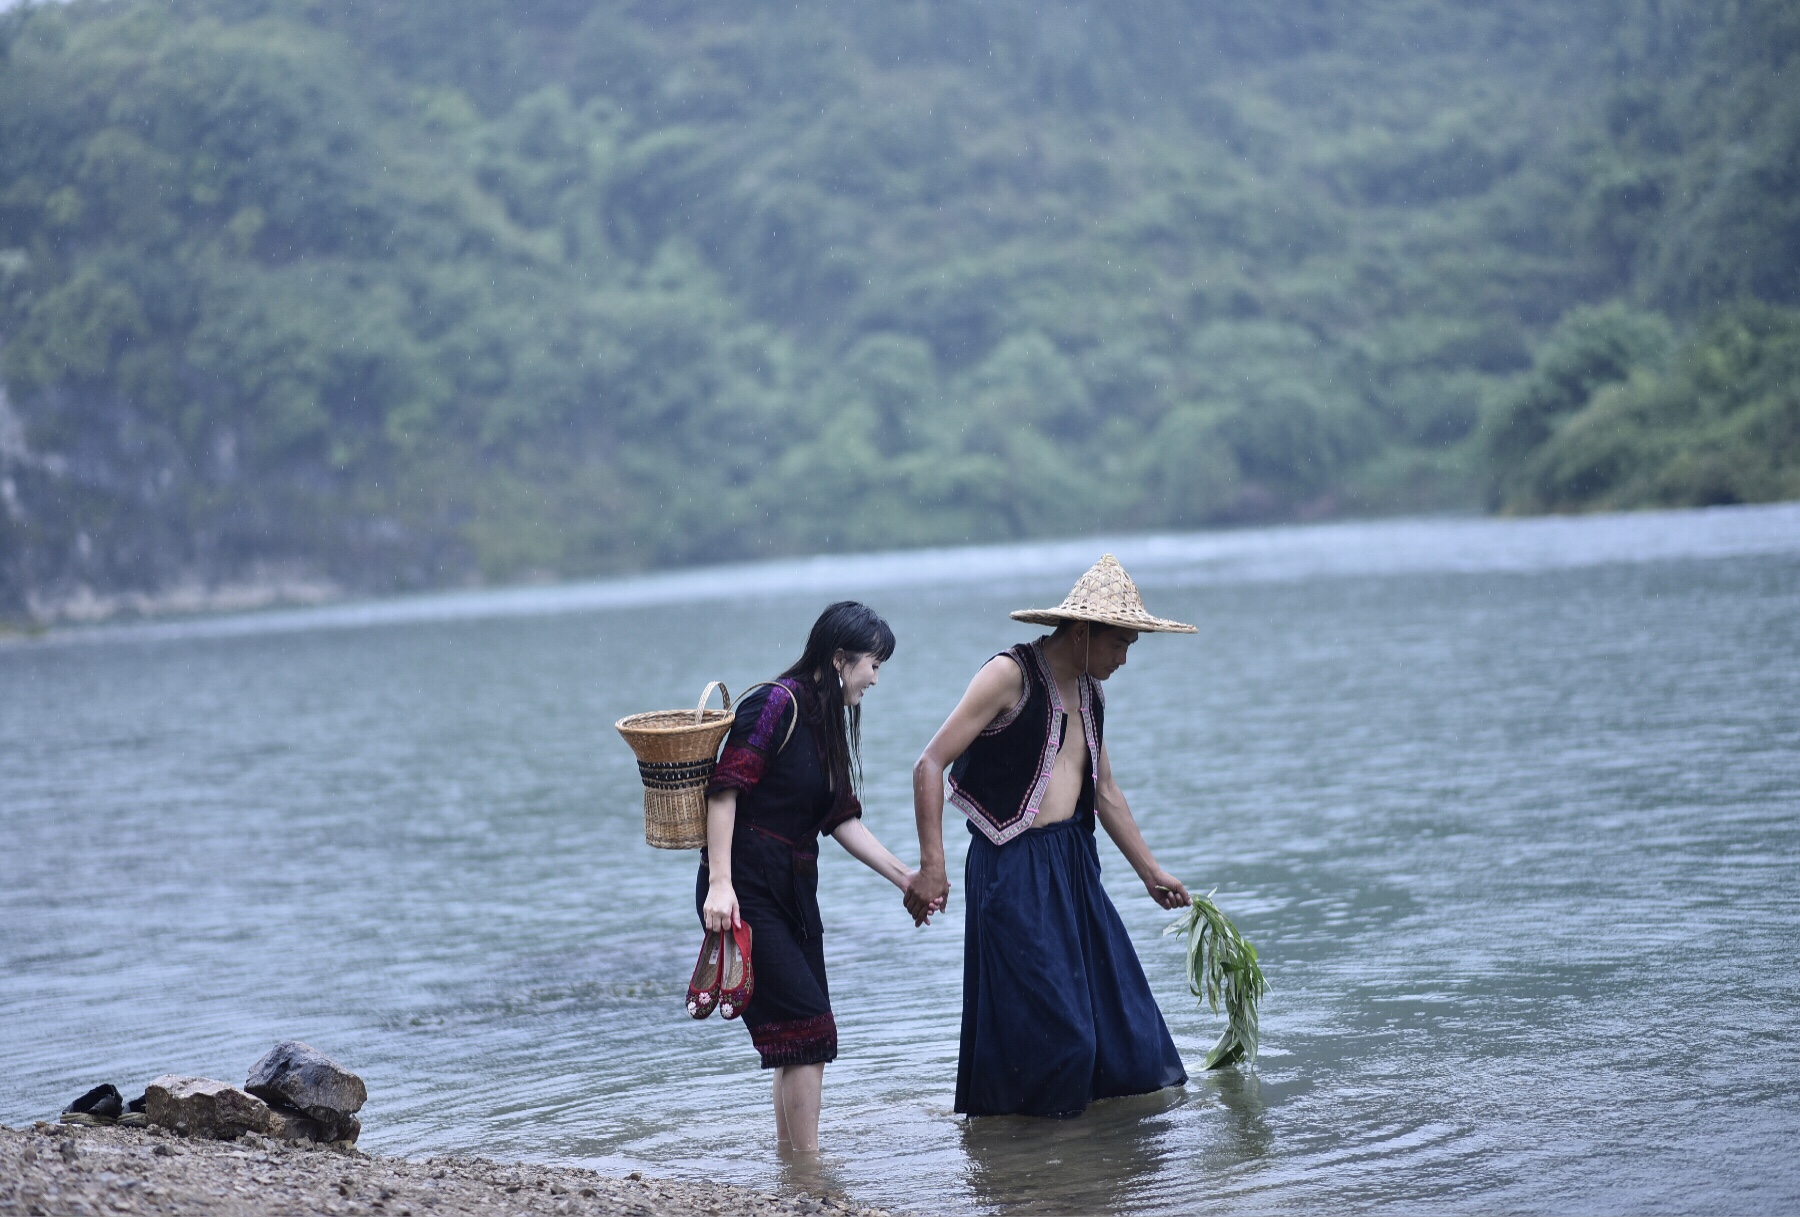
point(857, 630)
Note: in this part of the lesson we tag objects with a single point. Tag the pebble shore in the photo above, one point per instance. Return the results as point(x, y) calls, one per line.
point(54, 1169)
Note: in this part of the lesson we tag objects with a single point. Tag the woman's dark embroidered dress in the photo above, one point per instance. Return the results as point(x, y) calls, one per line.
point(1056, 1010)
point(784, 801)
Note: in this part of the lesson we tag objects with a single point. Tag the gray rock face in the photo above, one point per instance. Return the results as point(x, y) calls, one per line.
point(307, 1080)
point(286, 1124)
point(202, 1107)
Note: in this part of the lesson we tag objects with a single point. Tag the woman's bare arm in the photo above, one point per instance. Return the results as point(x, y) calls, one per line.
point(861, 844)
point(720, 910)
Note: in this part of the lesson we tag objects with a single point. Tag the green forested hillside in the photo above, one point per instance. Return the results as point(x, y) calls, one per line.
point(408, 294)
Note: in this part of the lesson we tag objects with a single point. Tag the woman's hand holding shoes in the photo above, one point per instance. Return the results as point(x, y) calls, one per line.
point(720, 912)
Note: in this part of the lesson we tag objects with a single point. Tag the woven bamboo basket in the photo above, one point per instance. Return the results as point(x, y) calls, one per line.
point(676, 750)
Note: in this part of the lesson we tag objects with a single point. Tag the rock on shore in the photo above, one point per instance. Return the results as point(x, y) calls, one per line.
point(55, 1169)
point(201, 1107)
point(301, 1078)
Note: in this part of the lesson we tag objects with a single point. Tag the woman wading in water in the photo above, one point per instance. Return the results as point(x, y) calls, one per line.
point(785, 776)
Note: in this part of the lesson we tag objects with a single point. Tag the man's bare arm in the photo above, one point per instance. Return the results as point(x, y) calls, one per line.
point(994, 691)
point(1115, 816)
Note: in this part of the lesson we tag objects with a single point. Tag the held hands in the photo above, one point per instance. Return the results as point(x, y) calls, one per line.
point(1166, 889)
point(720, 912)
point(926, 893)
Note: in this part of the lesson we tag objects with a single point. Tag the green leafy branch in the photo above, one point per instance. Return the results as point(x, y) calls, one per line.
point(1222, 969)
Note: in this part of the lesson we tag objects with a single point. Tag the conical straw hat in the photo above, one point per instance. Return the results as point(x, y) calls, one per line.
point(1107, 595)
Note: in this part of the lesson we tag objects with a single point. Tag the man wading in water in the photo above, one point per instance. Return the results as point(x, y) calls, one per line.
point(1056, 1011)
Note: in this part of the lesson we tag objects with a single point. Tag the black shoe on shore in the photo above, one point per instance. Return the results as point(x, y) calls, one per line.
point(135, 1114)
point(101, 1105)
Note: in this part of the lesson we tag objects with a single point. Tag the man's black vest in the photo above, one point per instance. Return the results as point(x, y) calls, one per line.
point(1000, 780)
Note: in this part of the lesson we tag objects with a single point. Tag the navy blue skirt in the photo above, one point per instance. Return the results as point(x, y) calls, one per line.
point(1056, 1010)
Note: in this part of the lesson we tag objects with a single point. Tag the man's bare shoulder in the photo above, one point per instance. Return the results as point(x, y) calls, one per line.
point(996, 687)
point(1002, 671)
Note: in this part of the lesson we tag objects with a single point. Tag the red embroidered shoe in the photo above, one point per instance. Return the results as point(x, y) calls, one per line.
point(738, 981)
point(703, 989)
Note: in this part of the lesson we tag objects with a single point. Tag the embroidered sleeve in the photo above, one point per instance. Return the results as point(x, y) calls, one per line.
point(746, 756)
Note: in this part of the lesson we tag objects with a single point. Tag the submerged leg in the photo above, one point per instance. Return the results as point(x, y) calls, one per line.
point(781, 1124)
point(797, 1098)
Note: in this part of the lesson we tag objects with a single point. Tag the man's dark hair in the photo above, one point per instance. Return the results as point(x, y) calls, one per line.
point(1096, 629)
point(857, 630)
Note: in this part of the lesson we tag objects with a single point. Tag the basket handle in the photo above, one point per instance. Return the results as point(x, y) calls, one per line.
point(700, 710)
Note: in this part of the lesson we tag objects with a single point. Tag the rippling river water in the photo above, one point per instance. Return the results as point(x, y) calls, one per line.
point(1511, 808)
